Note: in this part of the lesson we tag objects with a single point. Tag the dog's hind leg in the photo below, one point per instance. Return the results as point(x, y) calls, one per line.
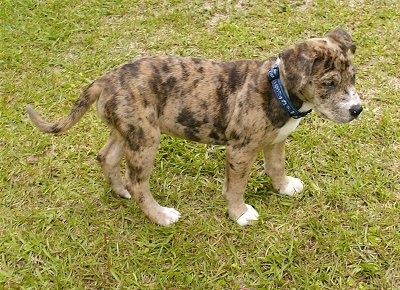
point(140, 153)
point(274, 166)
point(238, 164)
point(110, 157)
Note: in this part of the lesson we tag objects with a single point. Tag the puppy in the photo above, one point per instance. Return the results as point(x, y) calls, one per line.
point(246, 105)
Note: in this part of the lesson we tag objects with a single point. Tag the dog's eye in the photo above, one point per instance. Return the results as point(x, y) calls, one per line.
point(330, 84)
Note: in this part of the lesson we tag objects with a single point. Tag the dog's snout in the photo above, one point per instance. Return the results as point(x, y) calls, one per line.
point(356, 110)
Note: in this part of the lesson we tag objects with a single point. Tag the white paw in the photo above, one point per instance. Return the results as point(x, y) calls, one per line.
point(294, 186)
point(170, 216)
point(248, 217)
point(124, 194)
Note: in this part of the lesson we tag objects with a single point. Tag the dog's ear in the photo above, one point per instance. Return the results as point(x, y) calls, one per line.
point(344, 40)
point(297, 62)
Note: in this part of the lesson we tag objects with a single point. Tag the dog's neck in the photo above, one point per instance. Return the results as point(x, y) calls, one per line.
point(290, 102)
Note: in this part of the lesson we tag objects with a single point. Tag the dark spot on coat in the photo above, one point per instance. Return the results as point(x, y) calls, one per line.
point(185, 71)
point(192, 134)
point(198, 64)
point(214, 135)
point(145, 101)
point(110, 112)
point(136, 173)
point(55, 129)
point(187, 119)
point(161, 88)
point(135, 137)
point(196, 60)
point(82, 101)
point(155, 80)
point(204, 106)
point(222, 92)
point(195, 83)
point(128, 70)
point(234, 135)
point(170, 83)
point(236, 75)
point(152, 119)
point(273, 109)
point(133, 67)
point(242, 142)
point(329, 64)
point(140, 198)
point(165, 68)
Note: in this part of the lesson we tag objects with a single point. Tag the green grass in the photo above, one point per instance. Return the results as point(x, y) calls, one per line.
point(60, 227)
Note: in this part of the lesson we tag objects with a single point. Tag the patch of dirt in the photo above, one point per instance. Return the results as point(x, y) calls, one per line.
point(306, 5)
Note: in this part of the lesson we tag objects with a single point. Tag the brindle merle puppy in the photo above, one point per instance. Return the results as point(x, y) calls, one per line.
point(247, 105)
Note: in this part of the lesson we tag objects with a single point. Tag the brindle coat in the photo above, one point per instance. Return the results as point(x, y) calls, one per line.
point(216, 102)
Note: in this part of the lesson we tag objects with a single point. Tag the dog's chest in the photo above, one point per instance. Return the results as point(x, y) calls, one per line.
point(290, 125)
point(285, 131)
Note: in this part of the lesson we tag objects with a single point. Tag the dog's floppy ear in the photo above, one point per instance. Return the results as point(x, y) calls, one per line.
point(343, 39)
point(297, 62)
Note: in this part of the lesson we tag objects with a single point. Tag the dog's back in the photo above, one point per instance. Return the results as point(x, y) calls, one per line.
point(186, 97)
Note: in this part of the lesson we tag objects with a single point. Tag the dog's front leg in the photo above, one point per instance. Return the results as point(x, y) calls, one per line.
point(238, 163)
point(274, 166)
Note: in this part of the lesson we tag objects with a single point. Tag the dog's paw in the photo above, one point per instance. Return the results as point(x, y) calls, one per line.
point(124, 193)
point(293, 186)
point(168, 216)
point(248, 217)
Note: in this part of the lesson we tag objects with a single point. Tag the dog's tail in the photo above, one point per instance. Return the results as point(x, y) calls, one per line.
point(85, 100)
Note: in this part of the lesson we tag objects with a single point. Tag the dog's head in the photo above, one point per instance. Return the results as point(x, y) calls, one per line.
point(320, 71)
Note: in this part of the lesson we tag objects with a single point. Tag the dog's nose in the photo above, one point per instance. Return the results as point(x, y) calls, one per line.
point(356, 110)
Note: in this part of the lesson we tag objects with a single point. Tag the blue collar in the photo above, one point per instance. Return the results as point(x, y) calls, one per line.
point(280, 93)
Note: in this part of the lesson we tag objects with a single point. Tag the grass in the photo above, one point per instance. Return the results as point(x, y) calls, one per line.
point(62, 229)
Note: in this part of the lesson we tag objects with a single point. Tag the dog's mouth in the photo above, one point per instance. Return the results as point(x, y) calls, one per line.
point(340, 118)
point(324, 116)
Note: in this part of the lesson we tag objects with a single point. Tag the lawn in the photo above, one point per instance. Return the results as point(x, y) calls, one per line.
point(60, 225)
